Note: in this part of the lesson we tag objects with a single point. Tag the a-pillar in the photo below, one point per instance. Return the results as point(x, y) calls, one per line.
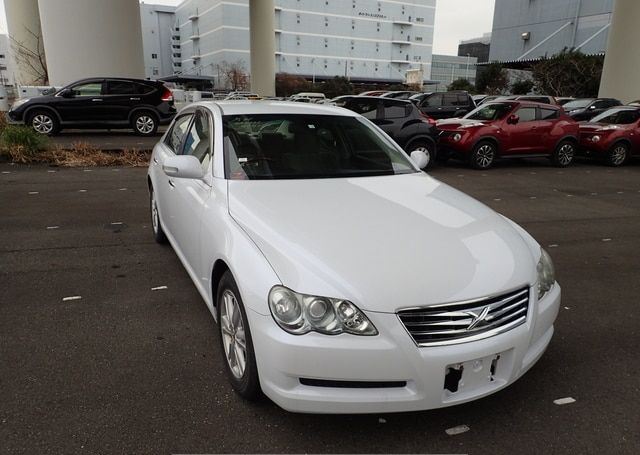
point(621, 73)
point(263, 47)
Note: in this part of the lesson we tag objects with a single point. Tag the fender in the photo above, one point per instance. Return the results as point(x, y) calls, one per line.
point(493, 139)
point(42, 107)
point(144, 107)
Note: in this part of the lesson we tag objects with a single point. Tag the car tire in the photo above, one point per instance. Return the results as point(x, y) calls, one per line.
point(564, 153)
point(144, 123)
point(44, 122)
point(423, 146)
point(617, 154)
point(483, 155)
point(236, 343)
point(156, 225)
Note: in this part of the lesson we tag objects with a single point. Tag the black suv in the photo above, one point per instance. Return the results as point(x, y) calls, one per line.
point(103, 103)
point(587, 108)
point(441, 105)
point(401, 120)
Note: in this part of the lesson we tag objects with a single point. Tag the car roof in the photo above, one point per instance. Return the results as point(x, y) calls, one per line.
point(127, 79)
point(522, 103)
point(275, 107)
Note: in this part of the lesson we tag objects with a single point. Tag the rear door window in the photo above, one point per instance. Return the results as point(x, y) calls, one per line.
point(366, 108)
point(549, 114)
point(395, 110)
point(450, 100)
point(121, 88)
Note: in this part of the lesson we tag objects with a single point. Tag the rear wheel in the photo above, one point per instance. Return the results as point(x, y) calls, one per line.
point(235, 337)
point(483, 155)
point(144, 123)
point(427, 148)
point(44, 122)
point(617, 154)
point(563, 154)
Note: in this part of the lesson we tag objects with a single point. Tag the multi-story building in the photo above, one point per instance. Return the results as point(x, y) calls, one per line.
point(476, 47)
point(364, 40)
point(527, 29)
point(448, 68)
point(6, 62)
point(161, 40)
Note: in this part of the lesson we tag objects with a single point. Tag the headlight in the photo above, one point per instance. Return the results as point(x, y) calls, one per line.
point(19, 103)
point(456, 137)
point(595, 139)
point(299, 314)
point(546, 274)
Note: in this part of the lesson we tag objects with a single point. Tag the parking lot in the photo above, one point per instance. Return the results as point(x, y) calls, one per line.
point(106, 346)
point(106, 140)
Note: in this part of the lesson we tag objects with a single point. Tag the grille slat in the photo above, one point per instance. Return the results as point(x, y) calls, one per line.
point(449, 323)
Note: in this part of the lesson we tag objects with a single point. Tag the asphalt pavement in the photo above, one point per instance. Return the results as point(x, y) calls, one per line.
point(106, 346)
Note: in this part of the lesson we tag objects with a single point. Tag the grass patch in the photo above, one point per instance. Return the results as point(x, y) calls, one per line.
point(21, 143)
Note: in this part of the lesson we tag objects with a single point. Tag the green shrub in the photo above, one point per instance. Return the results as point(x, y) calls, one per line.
point(23, 138)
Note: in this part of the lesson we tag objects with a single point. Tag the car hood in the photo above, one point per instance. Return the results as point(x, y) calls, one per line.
point(382, 242)
point(587, 127)
point(456, 123)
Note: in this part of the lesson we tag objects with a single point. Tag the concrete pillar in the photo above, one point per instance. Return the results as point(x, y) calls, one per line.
point(621, 73)
point(263, 47)
point(89, 38)
point(25, 37)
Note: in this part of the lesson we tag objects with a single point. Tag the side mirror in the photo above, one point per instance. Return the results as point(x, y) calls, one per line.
point(420, 159)
point(513, 119)
point(67, 93)
point(183, 167)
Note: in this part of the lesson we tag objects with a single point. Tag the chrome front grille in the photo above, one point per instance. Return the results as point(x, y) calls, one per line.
point(461, 322)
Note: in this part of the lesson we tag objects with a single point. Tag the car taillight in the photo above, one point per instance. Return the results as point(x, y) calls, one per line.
point(428, 119)
point(167, 95)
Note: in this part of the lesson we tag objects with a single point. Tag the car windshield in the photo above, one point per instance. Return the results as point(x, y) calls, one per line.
point(618, 117)
point(491, 111)
point(577, 104)
point(294, 146)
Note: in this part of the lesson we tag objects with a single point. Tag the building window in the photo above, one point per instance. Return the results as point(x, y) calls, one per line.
point(418, 38)
point(1, 55)
point(419, 19)
point(155, 71)
point(154, 56)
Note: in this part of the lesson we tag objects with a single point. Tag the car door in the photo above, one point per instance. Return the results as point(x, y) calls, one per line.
point(635, 135)
point(164, 185)
point(392, 117)
point(522, 136)
point(83, 102)
point(121, 97)
point(190, 195)
point(545, 128)
point(597, 108)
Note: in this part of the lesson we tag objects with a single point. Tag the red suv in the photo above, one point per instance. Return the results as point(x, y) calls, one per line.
point(613, 135)
point(509, 129)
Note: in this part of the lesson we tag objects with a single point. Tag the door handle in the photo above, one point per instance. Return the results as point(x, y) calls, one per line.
point(96, 99)
point(155, 161)
point(134, 99)
point(173, 185)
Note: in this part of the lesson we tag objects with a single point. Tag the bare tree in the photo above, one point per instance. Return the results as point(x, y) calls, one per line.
point(32, 58)
point(235, 75)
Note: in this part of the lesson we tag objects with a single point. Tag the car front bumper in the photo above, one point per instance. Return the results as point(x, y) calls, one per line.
point(414, 376)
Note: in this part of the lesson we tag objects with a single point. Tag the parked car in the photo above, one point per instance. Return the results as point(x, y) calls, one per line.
point(486, 99)
point(373, 93)
point(441, 105)
point(562, 100)
point(510, 129)
point(587, 108)
point(415, 99)
point(101, 103)
point(634, 103)
point(613, 136)
point(401, 120)
point(308, 97)
point(342, 278)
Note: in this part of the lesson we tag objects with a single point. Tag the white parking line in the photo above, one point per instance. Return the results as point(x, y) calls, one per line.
point(73, 297)
point(49, 228)
point(561, 401)
point(159, 288)
point(34, 192)
point(457, 430)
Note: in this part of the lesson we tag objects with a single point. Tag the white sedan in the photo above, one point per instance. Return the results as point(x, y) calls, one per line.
point(344, 279)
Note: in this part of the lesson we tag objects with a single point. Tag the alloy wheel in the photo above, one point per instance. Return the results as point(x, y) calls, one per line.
point(618, 155)
point(233, 334)
point(42, 123)
point(426, 151)
point(484, 156)
point(565, 154)
point(145, 124)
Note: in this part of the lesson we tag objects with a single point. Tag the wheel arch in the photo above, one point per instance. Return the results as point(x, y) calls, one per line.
point(491, 139)
point(149, 109)
point(219, 269)
point(418, 138)
point(40, 107)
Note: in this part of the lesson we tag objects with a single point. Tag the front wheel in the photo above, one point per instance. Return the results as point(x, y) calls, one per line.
point(158, 232)
point(483, 155)
point(427, 148)
point(617, 155)
point(563, 154)
point(237, 345)
point(44, 122)
point(144, 124)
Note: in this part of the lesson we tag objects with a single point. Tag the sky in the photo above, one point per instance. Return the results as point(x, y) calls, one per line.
point(456, 20)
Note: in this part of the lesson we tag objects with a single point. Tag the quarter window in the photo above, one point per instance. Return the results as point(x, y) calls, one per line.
point(549, 114)
point(177, 132)
point(122, 88)
point(395, 111)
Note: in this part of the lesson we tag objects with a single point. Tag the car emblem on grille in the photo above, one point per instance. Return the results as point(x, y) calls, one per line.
point(477, 317)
